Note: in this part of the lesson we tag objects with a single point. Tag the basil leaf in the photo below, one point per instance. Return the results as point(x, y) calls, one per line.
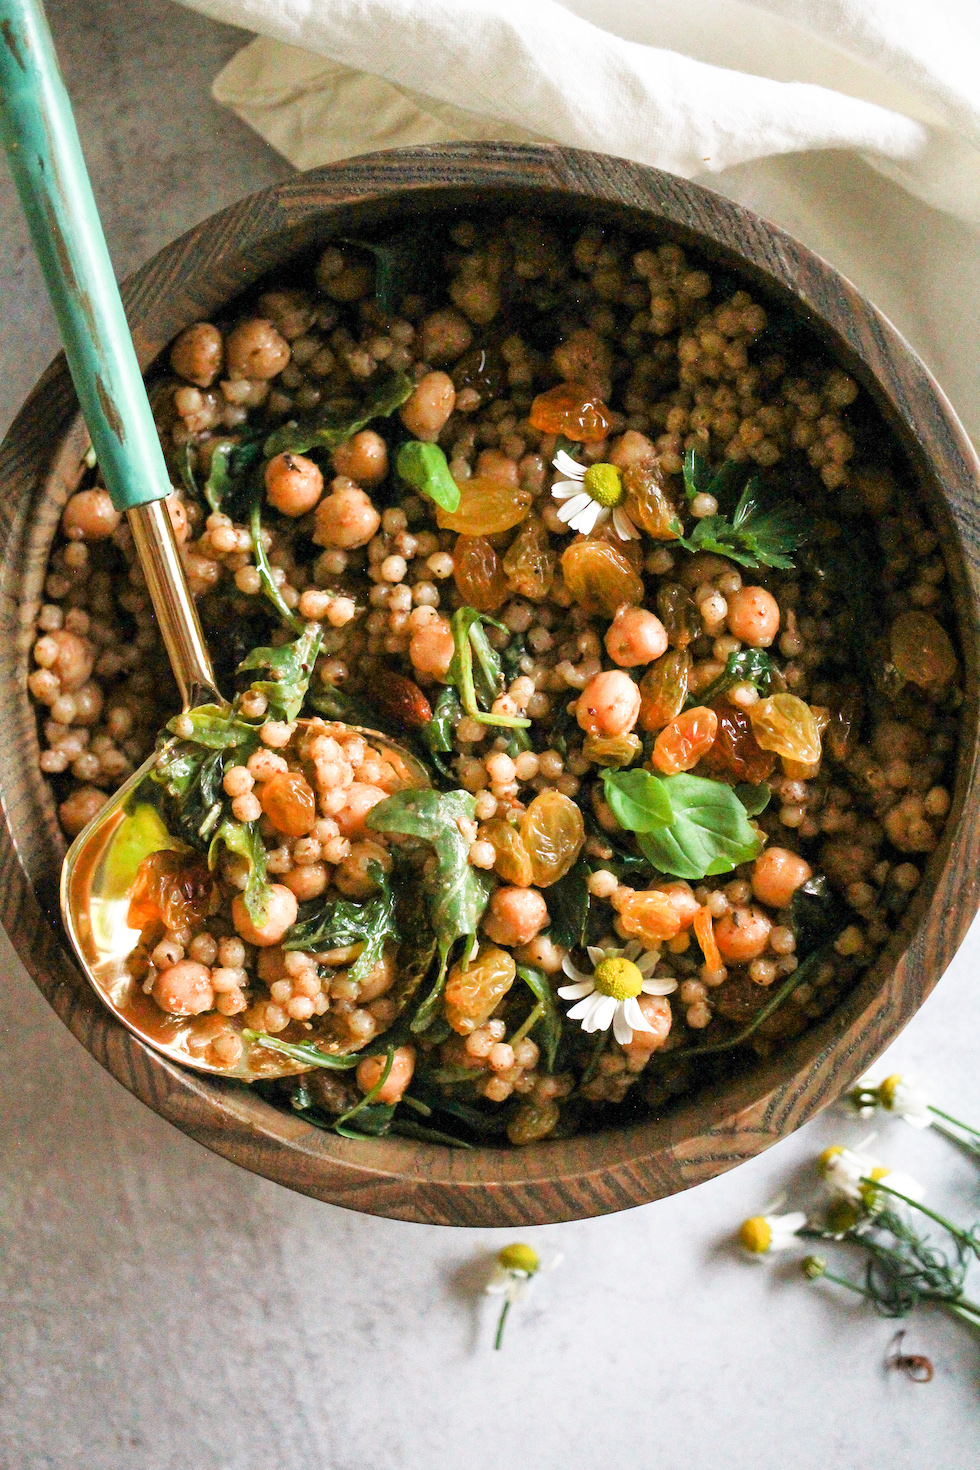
point(569, 902)
point(550, 1019)
point(457, 893)
point(749, 666)
point(341, 922)
point(426, 469)
point(334, 423)
point(638, 800)
point(709, 832)
point(755, 799)
point(290, 667)
point(242, 838)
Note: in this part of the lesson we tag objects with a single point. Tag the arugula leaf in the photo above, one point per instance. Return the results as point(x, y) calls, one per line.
point(550, 1019)
point(262, 565)
point(191, 778)
point(408, 1128)
point(457, 893)
point(341, 922)
point(437, 734)
point(334, 704)
point(749, 666)
point(290, 667)
point(754, 537)
point(426, 469)
point(376, 1119)
point(217, 729)
point(334, 423)
point(817, 915)
point(569, 902)
point(242, 838)
point(638, 800)
point(485, 677)
point(685, 825)
point(709, 834)
point(302, 1051)
point(755, 799)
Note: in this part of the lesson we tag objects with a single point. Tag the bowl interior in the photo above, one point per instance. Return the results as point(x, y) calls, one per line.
point(705, 1132)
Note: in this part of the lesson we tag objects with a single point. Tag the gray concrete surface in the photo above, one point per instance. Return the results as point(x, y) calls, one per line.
point(162, 1310)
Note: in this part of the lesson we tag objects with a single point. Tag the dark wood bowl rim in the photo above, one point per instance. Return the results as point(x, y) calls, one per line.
point(557, 1180)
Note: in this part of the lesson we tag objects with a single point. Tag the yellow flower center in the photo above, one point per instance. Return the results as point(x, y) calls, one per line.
point(878, 1172)
point(519, 1258)
point(605, 484)
point(618, 978)
point(828, 1156)
point(887, 1090)
point(842, 1216)
point(756, 1234)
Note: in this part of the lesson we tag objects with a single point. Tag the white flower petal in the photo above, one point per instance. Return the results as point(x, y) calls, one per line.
point(635, 1016)
point(602, 1017)
point(583, 1009)
point(624, 527)
point(571, 970)
point(664, 986)
point(578, 504)
point(648, 963)
point(565, 465)
point(585, 521)
point(499, 1282)
point(595, 954)
point(904, 1184)
point(562, 489)
point(575, 992)
point(631, 951)
point(622, 1030)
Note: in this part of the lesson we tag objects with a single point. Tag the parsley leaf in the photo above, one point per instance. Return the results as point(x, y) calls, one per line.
point(753, 536)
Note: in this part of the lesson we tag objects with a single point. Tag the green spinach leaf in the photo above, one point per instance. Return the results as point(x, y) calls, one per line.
point(549, 1021)
point(817, 915)
point(457, 893)
point(334, 704)
point(426, 469)
point(231, 461)
point(217, 729)
point(749, 666)
point(191, 777)
point(290, 668)
point(242, 838)
point(437, 734)
point(568, 904)
point(638, 800)
point(340, 923)
point(302, 1051)
point(334, 423)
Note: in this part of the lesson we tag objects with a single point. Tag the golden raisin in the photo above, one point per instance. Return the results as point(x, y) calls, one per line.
point(649, 915)
point(663, 689)
point(473, 994)
point(511, 862)
point(685, 740)
point(171, 888)
point(922, 652)
point(530, 562)
point(573, 410)
point(647, 502)
point(736, 752)
point(786, 725)
point(479, 576)
point(486, 506)
point(287, 800)
point(600, 578)
point(553, 834)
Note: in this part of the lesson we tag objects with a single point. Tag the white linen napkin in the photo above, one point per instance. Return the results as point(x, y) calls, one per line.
point(780, 103)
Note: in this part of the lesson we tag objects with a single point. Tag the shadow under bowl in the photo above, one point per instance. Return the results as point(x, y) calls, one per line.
point(708, 1131)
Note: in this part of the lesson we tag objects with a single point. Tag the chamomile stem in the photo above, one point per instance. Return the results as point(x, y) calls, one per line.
point(498, 1340)
point(971, 1145)
point(955, 1231)
point(526, 1025)
point(956, 1121)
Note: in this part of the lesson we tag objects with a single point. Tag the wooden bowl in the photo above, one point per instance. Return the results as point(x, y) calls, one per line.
point(707, 1132)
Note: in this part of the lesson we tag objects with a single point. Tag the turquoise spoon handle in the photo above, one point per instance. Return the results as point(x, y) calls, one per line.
point(38, 132)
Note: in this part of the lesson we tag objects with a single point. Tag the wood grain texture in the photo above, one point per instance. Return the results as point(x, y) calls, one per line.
point(705, 1134)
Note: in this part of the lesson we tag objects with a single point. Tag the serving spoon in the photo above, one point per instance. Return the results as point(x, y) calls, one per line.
point(38, 132)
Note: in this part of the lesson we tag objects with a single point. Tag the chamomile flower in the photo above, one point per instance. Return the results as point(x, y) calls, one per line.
point(764, 1233)
point(846, 1174)
point(590, 495)
point(515, 1268)
point(905, 1096)
point(608, 997)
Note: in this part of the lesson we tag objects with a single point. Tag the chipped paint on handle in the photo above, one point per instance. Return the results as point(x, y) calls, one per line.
point(38, 132)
